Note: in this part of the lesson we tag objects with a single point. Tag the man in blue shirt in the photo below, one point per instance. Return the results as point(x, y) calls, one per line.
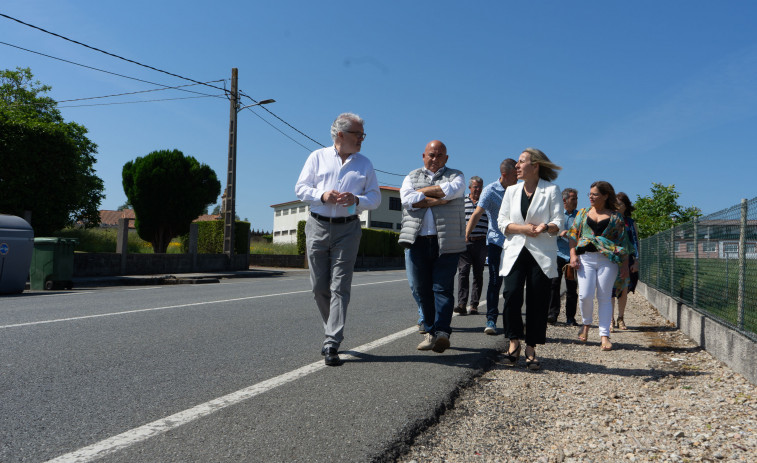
point(489, 203)
point(569, 200)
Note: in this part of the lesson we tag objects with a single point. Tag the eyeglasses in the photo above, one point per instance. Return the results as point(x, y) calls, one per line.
point(360, 135)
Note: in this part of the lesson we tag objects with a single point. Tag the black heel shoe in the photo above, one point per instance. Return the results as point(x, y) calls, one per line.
point(532, 363)
point(512, 357)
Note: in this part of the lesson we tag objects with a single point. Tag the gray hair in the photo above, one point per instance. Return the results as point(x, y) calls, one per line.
point(344, 122)
point(507, 165)
point(568, 191)
point(476, 179)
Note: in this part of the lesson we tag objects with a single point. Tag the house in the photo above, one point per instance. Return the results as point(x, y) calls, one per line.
point(109, 219)
point(388, 216)
point(718, 239)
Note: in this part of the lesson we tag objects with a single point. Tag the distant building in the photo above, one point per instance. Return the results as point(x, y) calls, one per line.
point(388, 216)
point(109, 219)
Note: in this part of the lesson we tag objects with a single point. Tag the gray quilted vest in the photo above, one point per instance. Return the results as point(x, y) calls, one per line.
point(449, 218)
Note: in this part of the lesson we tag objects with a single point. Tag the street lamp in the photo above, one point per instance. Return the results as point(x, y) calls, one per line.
point(231, 179)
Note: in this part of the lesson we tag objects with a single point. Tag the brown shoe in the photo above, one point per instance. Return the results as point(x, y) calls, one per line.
point(460, 310)
point(621, 324)
point(473, 311)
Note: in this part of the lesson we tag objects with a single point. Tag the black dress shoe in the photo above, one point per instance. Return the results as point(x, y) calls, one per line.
point(551, 320)
point(572, 322)
point(332, 356)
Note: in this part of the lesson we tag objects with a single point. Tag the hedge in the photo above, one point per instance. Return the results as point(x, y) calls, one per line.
point(373, 243)
point(210, 237)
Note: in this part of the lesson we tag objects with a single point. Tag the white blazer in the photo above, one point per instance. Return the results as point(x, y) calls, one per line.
point(546, 207)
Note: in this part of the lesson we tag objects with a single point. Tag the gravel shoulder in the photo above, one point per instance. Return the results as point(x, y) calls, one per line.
point(656, 397)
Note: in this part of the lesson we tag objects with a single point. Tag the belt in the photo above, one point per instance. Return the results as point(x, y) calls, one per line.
point(426, 237)
point(477, 237)
point(323, 218)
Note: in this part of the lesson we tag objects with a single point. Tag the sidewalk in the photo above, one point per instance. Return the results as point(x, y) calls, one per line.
point(655, 397)
point(174, 279)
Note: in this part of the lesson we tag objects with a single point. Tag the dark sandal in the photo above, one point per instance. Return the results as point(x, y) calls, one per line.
point(512, 357)
point(532, 363)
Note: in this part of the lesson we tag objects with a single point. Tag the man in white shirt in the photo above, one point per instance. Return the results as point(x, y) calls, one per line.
point(433, 229)
point(338, 183)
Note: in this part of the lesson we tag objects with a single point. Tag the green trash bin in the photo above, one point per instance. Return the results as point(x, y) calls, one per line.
point(52, 263)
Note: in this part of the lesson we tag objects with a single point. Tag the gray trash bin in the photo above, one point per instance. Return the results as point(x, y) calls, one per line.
point(16, 246)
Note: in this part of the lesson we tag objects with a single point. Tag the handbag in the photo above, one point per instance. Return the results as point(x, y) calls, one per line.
point(570, 272)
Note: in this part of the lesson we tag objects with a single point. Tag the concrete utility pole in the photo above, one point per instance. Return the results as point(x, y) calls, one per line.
point(229, 205)
point(231, 178)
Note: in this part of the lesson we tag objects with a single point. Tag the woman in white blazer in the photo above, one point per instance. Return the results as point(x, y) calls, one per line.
point(530, 217)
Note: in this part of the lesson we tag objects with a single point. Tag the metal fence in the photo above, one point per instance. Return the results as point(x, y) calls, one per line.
point(709, 264)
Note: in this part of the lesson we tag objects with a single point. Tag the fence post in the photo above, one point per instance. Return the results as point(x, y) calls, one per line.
point(742, 263)
point(672, 260)
point(659, 260)
point(122, 242)
point(695, 284)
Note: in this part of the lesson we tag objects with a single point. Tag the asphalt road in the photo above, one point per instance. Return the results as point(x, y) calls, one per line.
point(222, 372)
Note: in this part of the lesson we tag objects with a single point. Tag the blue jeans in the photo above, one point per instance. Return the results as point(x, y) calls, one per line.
point(495, 282)
point(434, 283)
point(409, 272)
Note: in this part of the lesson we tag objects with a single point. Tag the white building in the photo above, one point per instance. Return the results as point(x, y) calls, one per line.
point(388, 216)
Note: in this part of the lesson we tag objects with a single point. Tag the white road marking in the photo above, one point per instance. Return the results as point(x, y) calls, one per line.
point(178, 306)
point(149, 430)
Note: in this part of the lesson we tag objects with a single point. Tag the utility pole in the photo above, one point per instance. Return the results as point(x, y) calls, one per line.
point(229, 214)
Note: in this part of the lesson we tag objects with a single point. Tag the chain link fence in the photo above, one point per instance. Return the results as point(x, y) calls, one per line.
point(709, 264)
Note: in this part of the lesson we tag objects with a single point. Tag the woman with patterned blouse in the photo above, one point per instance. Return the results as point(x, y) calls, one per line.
point(625, 285)
point(599, 248)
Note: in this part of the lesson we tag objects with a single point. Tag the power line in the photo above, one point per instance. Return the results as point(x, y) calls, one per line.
point(107, 53)
point(140, 91)
point(134, 102)
point(103, 70)
point(278, 130)
point(282, 120)
point(164, 72)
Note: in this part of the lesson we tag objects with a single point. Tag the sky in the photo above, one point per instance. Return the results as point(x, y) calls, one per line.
point(633, 93)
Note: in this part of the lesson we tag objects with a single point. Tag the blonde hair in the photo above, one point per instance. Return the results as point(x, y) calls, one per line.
point(547, 169)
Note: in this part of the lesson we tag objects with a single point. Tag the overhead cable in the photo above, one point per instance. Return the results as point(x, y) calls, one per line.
point(134, 102)
point(107, 53)
point(103, 70)
point(137, 92)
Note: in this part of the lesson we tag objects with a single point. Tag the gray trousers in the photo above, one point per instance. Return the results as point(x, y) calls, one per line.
point(332, 250)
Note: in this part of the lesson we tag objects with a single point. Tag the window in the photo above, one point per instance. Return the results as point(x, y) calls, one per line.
point(395, 204)
point(278, 212)
point(294, 210)
point(377, 224)
point(709, 247)
point(362, 223)
point(293, 231)
point(285, 211)
point(285, 232)
point(399, 226)
point(302, 208)
point(731, 247)
point(276, 233)
point(689, 247)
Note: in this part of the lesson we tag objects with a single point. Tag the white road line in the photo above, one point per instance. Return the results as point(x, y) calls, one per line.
point(149, 430)
point(178, 306)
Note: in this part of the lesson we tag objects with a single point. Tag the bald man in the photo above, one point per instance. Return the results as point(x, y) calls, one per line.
point(433, 229)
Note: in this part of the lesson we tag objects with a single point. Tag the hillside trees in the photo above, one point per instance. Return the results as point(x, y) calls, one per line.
point(168, 190)
point(661, 210)
point(47, 163)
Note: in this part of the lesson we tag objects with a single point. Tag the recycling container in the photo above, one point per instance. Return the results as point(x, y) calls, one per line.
point(16, 244)
point(52, 263)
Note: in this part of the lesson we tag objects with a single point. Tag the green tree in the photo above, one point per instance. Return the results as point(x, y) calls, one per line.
point(168, 190)
point(47, 163)
point(661, 211)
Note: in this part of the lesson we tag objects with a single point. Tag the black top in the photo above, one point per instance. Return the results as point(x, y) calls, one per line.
point(525, 202)
point(597, 227)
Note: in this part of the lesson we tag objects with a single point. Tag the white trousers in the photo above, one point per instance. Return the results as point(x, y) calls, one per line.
point(597, 274)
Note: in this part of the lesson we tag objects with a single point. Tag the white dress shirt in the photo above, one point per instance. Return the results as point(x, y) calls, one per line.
point(324, 171)
point(409, 196)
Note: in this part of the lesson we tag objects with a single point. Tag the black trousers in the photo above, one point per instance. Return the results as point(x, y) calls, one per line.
point(526, 271)
point(473, 256)
point(571, 294)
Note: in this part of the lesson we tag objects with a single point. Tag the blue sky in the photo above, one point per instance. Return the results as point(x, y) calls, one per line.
point(628, 92)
